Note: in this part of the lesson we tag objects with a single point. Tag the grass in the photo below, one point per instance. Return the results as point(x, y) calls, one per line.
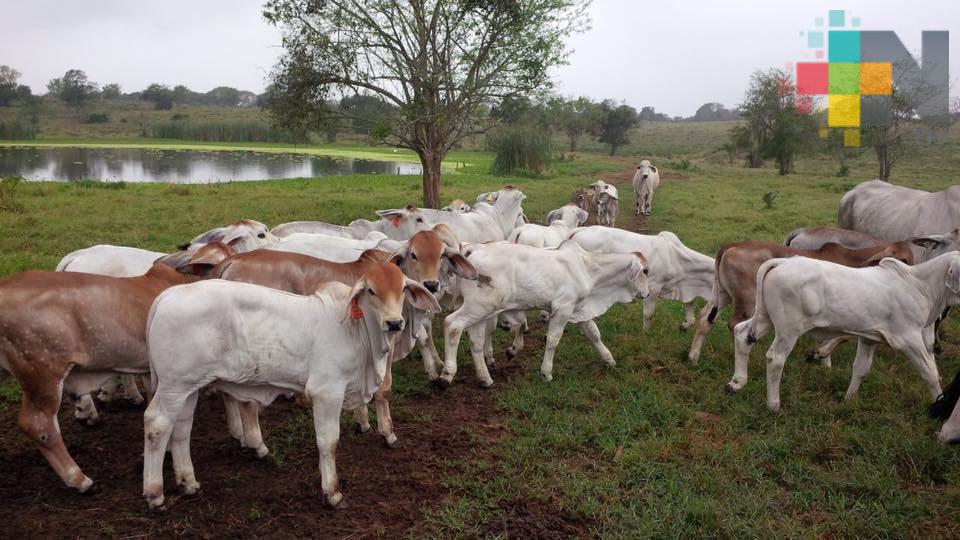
point(653, 447)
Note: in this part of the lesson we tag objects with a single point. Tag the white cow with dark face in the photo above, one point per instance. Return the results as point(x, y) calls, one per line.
point(645, 183)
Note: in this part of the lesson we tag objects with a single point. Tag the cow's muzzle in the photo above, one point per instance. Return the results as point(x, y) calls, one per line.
point(395, 325)
point(431, 286)
point(644, 177)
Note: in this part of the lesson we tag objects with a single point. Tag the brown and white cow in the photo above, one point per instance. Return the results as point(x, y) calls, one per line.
point(735, 279)
point(69, 331)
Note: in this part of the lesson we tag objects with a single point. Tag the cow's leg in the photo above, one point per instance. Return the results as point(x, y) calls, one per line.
point(489, 329)
point(38, 420)
point(590, 330)
point(636, 198)
point(108, 390)
point(180, 446)
point(708, 315)
point(742, 345)
point(558, 321)
point(688, 317)
point(648, 209)
point(158, 422)
point(453, 327)
point(516, 321)
point(478, 336)
point(252, 436)
point(86, 410)
point(80, 386)
point(649, 306)
point(361, 419)
point(861, 366)
point(925, 364)
point(231, 410)
point(130, 390)
point(382, 400)
point(825, 350)
point(428, 351)
point(776, 359)
point(326, 424)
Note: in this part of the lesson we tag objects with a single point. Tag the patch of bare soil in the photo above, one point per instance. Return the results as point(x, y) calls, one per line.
point(387, 491)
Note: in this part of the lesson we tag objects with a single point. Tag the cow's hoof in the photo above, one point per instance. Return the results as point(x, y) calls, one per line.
point(774, 407)
point(731, 388)
point(683, 327)
point(391, 441)
point(486, 384)
point(156, 505)
point(511, 353)
point(263, 451)
point(90, 421)
point(87, 487)
point(336, 501)
point(812, 356)
point(358, 428)
point(547, 377)
point(189, 488)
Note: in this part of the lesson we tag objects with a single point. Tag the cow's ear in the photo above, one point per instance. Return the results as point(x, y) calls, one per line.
point(552, 216)
point(582, 216)
point(933, 241)
point(397, 257)
point(460, 265)
point(353, 309)
point(653, 169)
point(420, 297)
point(879, 256)
point(953, 277)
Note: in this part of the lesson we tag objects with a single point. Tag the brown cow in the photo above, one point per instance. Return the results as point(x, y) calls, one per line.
point(421, 259)
point(735, 280)
point(69, 331)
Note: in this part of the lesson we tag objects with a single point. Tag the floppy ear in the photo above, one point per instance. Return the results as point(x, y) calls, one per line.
point(352, 309)
point(582, 216)
point(446, 235)
point(933, 241)
point(212, 254)
point(420, 297)
point(447, 208)
point(953, 278)
point(394, 216)
point(553, 215)
point(878, 256)
point(460, 265)
point(653, 169)
point(397, 257)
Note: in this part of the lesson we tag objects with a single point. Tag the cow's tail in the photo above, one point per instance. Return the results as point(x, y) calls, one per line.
point(942, 408)
point(760, 309)
point(793, 234)
point(715, 293)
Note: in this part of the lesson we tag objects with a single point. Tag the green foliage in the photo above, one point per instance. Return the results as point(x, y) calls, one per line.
point(111, 91)
point(217, 132)
point(10, 91)
point(74, 88)
point(521, 152)
point(16, 130)
point(615, 124)
point(96, 118)
point(769, 198)
point(8, 194)
point(160, 95)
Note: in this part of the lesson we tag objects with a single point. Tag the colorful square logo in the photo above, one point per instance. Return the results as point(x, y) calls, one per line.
point(844, 78)
point(843, 110)
point(876, 78)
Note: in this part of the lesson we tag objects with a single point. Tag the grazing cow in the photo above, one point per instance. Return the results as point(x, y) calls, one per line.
point(814, 237)
point(894, 213)
point(398, 224)
point(678, 272)
point(487, 222)
point(425, 258)
point(645, 183)
point(560, 223)
point(892, 303)
point(332, 345)
point(70, 332)
point(572, 284)
point(458, 206)
point(736, 277)
point(945, 409)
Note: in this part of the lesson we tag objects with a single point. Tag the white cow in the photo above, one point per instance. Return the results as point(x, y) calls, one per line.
point(560, 223)
point(254, 343)
point(334, 248)
point(399, 224)
point(458, 206)
point(892, 303)
point(645, 183)
point(572, 284)
point(486, 222)
point(676, 271)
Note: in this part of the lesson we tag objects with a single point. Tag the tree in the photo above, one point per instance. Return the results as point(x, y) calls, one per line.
point(110, 91)
point(225, 96)
point(615, 124)
point(367, 114)
point(181, 94)
point(778, 124)
point(8, 85)
point(296, 100)
point(74, 88)
point(713, 112)
point(439, 62)
point(575, 117)
point(160, 95)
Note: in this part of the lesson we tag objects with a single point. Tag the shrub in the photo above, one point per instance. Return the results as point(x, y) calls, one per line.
point(8, 194)
point(768, 198)
point(95, 118)
point(179, 116)
point(217, 132)
point(521, 152)
point(17, 130)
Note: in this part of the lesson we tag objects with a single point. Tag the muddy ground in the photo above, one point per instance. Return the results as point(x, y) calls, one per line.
point(387, 491)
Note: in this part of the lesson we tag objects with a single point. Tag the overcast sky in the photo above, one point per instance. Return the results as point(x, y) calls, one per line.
point(673, 55)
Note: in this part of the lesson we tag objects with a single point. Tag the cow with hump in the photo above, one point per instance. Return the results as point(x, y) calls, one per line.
point(70, 332)
point(255, 343)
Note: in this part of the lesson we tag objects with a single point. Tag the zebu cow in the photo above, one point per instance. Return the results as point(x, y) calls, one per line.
point(736, 277)
point(677, 272)
point(645, 183)
point(560, 223)
point(458, 206)
point(583, 198)
point(814, 237)
point(945, 409)
point(892, 303)
point(332, 345)
point(399, 224)
point(572, 284)
point(70, 332)
point(895, 213)
point(488, 221)
point(608, 208)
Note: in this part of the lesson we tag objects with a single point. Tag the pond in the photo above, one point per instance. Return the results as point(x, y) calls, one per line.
point(65, 164)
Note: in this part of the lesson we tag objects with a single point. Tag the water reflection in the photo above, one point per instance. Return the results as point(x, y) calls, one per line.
point(180, 166)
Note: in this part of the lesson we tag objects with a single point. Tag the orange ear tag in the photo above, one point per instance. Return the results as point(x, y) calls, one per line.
point(356, 312)
point(395, 221)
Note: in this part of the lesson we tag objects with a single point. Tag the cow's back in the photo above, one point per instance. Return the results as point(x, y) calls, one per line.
point(894, 213)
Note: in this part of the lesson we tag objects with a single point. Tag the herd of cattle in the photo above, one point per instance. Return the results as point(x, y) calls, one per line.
point(323, 310)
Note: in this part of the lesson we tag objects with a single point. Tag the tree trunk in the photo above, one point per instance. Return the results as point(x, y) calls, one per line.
point(883, 157)
point(430, 162)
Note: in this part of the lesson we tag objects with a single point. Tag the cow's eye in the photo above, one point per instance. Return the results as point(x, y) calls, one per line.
point(371, 292)
point(419, 220)
point(413, 256)
point(262, 235)
point(646, 270)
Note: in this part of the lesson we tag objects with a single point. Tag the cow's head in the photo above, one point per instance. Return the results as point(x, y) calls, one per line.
point(198, 259)
point(244, 235)
point(380, 293)
point(935, 245)
point(403, 223)
point(645, 169)
point(640, 274)
point(509, 197)
point(457, 206)
point(423, 257)
point(570, 215)
point(579, 198)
